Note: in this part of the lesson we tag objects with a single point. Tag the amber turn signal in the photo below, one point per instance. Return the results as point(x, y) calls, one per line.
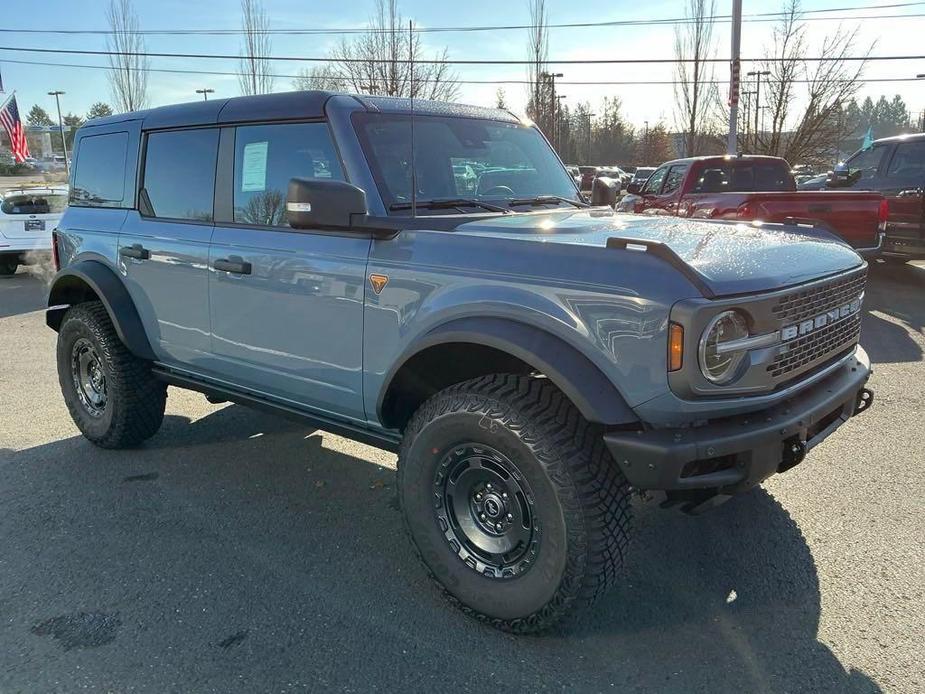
point(675, 346)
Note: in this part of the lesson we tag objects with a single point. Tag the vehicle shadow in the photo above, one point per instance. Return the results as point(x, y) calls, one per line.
point(23, 292)
point(893, 306)
point(247, 552)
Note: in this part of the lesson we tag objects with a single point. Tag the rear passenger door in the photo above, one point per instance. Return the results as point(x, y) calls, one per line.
point(164, 245)
point(286, 304)
point(903, 182)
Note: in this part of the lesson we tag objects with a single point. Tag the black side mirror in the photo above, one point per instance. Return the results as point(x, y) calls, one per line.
point(633, 187)
point(314, 203)
point(604, 191)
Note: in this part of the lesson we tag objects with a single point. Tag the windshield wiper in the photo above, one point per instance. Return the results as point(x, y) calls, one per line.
point(545, 200)
point(448, 203)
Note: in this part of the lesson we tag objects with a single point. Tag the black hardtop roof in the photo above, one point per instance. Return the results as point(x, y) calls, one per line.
point(288, 106)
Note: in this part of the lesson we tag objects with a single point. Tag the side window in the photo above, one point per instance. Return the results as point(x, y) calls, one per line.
point(99, 173)
point(868, 161)
point(908, 161)
point(654, 184)
point(267, 156)
point(179, 176)
point(674, 179)
point(713, 180)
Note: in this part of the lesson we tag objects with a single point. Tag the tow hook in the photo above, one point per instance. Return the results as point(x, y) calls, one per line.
point(864, 401)
point(794, 450)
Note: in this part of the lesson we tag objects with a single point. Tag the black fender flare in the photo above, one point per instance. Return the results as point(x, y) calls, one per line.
point(592, 392)
point(70, 286)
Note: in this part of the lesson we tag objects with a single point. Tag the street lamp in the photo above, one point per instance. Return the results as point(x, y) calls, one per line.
point(205, 93)
point(551, 76)
point(757, 74)
point(559, 98)
point(57, 93)
point(590, 116)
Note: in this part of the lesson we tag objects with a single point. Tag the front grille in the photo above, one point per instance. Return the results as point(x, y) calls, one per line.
point(810, 302)
point(831, 340)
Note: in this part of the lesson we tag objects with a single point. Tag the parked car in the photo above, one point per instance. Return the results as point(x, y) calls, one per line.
point(895, 168)
point(27, 216)
point(755, 188)
point(533, 360)
point(575, 173)
point(642, 174)
point(588, 174)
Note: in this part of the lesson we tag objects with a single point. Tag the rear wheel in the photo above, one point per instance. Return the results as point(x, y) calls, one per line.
point(512, 501)
point(8, 266)
point(110, 393)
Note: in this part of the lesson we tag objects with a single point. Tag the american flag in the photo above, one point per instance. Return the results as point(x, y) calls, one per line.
point(12, 123)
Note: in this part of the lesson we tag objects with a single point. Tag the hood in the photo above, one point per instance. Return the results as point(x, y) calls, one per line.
point(729, 258)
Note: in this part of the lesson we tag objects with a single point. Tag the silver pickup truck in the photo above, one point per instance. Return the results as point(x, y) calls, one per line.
point(429, 279)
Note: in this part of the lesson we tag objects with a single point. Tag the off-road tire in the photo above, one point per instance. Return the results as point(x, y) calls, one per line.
point(8, 267)
point(582, 500)
point(135, 400)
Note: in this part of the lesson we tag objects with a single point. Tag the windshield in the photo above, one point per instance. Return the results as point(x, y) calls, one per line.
point(476, 159)
point(34, 204)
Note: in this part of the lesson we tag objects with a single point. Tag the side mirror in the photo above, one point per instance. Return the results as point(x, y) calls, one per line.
point(633, 188)
point(604, 191)
point(313, 203)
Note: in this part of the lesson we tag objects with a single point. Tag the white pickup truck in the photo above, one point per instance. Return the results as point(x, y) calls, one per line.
point(27, 217)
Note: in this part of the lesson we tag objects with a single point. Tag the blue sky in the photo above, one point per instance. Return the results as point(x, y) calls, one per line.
point(652, 103)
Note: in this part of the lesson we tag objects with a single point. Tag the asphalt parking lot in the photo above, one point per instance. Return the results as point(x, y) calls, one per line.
point(239, 552)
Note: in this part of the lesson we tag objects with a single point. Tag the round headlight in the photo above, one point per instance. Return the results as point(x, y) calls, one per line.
point(719, 365)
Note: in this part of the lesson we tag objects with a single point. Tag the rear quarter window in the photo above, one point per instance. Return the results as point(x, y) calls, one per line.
point(99, 173)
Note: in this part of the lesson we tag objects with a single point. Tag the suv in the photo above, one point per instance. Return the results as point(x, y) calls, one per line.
point(27, 216)
point(532, 359)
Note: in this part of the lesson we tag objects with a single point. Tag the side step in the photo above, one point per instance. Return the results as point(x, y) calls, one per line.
point(217, 393)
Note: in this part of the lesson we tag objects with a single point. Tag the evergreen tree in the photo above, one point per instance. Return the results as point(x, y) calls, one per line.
point(99, 110)
point(39, 116)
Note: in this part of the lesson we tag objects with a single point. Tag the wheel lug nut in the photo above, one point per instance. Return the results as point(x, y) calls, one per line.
point(504, 495)
point(482, 516)
point(478, 497)
point(510, 516)
point(488, 486)
point(497, 526)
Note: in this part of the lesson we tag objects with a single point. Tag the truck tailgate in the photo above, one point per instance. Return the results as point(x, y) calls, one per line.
point(855, 217)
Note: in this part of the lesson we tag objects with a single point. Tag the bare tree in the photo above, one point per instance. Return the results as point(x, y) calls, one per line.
point(128, 64)
point(696, 97)
point(810, 133)
point(323, 77)
point(540, 95)
point(388, 59)
point(254, 66)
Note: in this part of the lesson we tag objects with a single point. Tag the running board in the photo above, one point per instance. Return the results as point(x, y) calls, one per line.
point(384, 440)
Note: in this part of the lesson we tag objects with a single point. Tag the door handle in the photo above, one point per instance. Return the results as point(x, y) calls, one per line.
point(238, 267)
point(136, 251)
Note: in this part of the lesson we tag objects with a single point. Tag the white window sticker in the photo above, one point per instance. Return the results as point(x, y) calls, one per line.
point(254, 167)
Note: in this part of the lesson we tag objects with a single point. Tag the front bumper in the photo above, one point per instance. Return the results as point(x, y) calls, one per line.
point(731, 455)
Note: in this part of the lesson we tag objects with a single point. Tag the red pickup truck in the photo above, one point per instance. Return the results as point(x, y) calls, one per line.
point(756, 188)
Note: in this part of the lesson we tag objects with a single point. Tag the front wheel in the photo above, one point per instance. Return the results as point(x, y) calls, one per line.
point(111, 394)
point(512, 501)
point(8, 266)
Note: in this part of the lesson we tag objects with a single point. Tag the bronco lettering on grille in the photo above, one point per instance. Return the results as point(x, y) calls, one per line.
point(823, 319)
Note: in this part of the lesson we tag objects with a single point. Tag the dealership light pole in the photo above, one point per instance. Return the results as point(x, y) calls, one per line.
point(205, 93)
point(56, 94)
point(757, 74)
point(551, 76)
point(735, 67)
point(556, 130)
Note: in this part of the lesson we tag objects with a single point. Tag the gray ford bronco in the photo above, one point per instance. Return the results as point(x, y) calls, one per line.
point(427, 278)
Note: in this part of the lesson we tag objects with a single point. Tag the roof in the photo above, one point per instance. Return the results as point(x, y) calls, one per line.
point(901, 138)
point(714, 157)
point(288, 105)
